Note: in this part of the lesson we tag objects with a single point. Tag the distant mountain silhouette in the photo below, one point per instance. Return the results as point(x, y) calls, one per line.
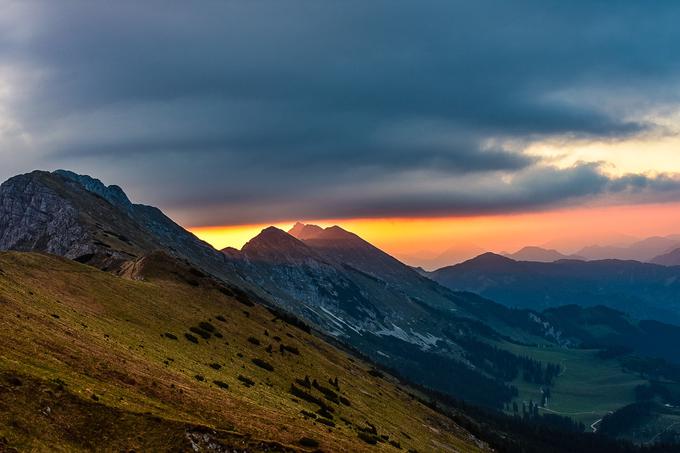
point(645, 250)
point(671, 258)
point(534, 253)
point(453, 255)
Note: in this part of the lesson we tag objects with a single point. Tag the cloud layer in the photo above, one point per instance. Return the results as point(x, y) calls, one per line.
point(254, 111)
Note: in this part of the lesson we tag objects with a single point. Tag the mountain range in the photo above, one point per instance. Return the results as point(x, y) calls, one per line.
point(656, 249)
point(342, 297)
point(645, 250)
point(664, 250)
point(644, 290)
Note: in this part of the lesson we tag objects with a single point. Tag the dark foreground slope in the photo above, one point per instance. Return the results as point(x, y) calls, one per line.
point(168, 358)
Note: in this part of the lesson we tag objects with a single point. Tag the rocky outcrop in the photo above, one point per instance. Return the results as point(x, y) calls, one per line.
point(79, 217)
point(113, 194)
point(33, 216)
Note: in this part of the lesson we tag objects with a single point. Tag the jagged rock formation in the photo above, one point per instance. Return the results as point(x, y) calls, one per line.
point(53, 213)
point(78, 217)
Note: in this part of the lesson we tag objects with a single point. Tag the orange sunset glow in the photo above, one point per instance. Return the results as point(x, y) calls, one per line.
point(415, 238)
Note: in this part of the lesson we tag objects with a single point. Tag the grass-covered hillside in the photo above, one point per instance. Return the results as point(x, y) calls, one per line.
point(163, 358)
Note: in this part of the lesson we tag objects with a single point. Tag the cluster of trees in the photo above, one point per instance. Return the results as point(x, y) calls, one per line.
point(531, 434)
point(626, 419)
point(506, 365)
point(536, 373)
point(654, 390)
point(650, 368)
point(610, 352)
point(434, 370)
point(545, 396)
point(530, 414)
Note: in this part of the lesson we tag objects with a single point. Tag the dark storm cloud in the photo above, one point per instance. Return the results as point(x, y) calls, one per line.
point(256, 110)
point(528, 190)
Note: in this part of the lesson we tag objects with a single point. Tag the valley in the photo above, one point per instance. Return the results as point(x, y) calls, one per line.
point(587, 388)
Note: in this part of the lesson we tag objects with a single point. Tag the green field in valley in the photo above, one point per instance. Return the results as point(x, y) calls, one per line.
point(587, 388)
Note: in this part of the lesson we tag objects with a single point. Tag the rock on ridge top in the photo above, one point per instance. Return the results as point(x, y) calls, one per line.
point(113, 194)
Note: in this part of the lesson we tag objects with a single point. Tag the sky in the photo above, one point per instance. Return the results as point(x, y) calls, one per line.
point(424, 126)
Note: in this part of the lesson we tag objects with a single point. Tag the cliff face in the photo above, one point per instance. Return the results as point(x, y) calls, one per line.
point(33, 216)
point(80, 218)
point(113, 194)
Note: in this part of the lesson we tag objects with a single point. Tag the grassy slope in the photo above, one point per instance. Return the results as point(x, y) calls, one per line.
point(102, 336)
point(588, 388)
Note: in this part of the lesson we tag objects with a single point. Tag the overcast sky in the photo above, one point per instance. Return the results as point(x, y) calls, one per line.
point(261, 111)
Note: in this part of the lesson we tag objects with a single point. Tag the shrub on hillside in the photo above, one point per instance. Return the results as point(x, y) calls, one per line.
point(298, 392)
point(308, 442)
point(206, 326)
point(368, 437)
point(326, 422)
point(262, 364)
point(285, 348)
point(329, 394)
point(222, 385)
point(200, 332)
point(246, 381)
point(308, 414)
point(304, 382)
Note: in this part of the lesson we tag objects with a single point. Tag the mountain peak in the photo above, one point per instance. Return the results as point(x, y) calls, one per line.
point(302, 231)
point(336, 232)
point(272, 234)
point(275, 245)
point(113, 194)
point(78, 217)
point(490, 258)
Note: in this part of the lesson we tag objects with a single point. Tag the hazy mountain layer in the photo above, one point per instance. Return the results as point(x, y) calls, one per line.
point(532, 253)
